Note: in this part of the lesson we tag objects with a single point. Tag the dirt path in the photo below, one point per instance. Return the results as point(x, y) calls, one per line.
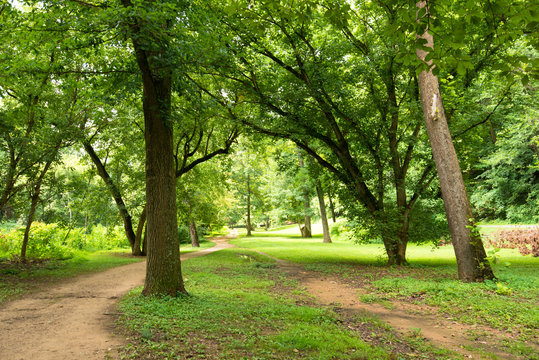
point(74, 319)
point(331, 291)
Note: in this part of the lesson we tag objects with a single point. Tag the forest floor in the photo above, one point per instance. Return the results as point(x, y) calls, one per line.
point(73, 319)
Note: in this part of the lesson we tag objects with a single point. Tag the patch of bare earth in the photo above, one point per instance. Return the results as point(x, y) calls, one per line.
point(73, 319)
point(406, 318)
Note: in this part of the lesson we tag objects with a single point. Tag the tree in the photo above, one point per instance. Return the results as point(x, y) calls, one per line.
point(323, 215)
point(306, 230)
point(149, 30)
point(470, 253)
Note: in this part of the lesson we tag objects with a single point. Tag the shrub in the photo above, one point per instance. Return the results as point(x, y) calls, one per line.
point(525, 239)
point(55, 241)
point(183, 234)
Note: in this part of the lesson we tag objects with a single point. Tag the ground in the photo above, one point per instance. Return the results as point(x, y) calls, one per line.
point(75, 319)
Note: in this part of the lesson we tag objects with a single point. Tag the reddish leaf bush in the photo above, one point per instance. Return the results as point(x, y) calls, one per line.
point(525, 239)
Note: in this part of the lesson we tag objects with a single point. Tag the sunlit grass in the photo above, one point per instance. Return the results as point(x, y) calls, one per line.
point(509, 303)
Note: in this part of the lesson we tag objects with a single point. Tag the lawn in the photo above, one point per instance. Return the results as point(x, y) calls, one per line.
point(241, 306)
point(508, 304)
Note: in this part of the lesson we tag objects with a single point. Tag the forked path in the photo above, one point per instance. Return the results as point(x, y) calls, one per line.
point(72, 320)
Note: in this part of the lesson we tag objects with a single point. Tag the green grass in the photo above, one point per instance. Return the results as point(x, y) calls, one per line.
point(508, 304)
point(204, 244)
point(242, 307)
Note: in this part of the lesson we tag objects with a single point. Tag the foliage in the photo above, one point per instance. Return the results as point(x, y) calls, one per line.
point(508, 186)
point(58, 242)
point(525, 239)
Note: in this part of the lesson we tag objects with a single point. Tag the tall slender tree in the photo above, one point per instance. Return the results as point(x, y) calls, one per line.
point(470, 253)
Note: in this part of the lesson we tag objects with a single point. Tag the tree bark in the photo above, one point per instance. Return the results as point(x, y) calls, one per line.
point(163, 270)
point(116, 195)
point(469, 250)
point(137, 248)
point(193, 233)
point(248, 221)
point(323, 215)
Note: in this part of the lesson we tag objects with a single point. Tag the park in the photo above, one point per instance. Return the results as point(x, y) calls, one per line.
point(269, 180)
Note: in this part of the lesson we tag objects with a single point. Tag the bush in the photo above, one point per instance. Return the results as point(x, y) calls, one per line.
point(55, 241)
point(526, 240)
point(183, 234)
point(44, 241)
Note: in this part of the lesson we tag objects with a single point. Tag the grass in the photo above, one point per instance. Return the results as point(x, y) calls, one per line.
point(204, 244)
point(508, 304)
point(242, 307)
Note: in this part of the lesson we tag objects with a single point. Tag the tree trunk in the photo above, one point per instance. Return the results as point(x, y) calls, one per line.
point(248, 222)
point(33, 206)
point(332, 209)
point(323, 215)
point(137, 250)
point(163, 270)
point(194, 234)
point(306, 232)
point(267, 223)
point(9, 182)
point(469, 250)
point(144, 242)
point(116, 195)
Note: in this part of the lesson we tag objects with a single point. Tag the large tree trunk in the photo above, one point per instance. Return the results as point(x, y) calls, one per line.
point(469, 250)
point(193, 233)
point(33, 206)
point(323, 215)
point(396, 242)
point(137, 248)
point(248, 221)
point(163, 270)
point(116, 195)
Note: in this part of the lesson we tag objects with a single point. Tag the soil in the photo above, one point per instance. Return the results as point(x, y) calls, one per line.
point(75, 319)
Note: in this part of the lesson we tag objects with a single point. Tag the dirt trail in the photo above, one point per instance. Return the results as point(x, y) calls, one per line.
point(331, 291)
point(74, 319)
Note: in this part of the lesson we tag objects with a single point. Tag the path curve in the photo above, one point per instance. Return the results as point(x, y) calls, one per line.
point(333, 292)
point(74, 319)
